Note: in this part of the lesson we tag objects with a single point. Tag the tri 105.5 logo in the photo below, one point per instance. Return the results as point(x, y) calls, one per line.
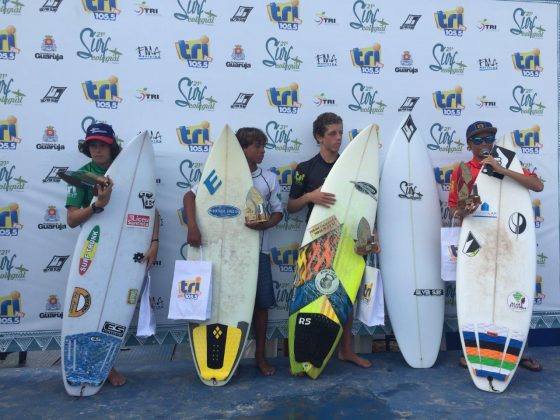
point(8, 49)
point(286, 14)
point(9, 133)
point(285, 258)
point(443, 176)
point(529, 141)
point(195, 52)
point(368, 59)
point(194, 95)
point(9, 220)
point(451, 21)
point(285, 99)
point(195, 137)
point(102, 9)
point(528, 63)
point(449, 101)
point(105, 93)
point(285, 175)
point(10, 308)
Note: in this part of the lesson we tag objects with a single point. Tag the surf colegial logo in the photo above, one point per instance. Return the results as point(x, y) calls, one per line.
point(89, 250)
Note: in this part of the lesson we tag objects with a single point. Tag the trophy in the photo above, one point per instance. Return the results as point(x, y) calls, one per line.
point(83, 179)
point(464, 198)
point(254, 210)
point(366, 243)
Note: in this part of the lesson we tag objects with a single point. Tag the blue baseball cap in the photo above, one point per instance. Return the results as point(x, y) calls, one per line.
point(100, 131)
point(480, 127)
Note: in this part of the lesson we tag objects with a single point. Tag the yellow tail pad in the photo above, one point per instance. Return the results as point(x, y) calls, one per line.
point(202, 335)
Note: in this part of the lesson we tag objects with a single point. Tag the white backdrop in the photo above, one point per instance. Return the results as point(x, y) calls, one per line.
point(183, 69)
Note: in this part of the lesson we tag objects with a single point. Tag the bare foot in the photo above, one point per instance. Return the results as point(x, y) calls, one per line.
point(352, 357)
point(298, 375)
point(265, 368)
point(115, 378)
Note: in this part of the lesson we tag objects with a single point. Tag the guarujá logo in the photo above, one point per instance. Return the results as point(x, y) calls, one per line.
point(106, 10)
point(528, 63)
point(451, 21)
point(286, 14)
point(195, 137)
point(368, 59)
point(195, 52)
point(105, 93)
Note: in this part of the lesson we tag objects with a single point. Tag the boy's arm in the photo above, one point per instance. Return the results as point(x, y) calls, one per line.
point(75, 215)
point(317, 196)
point(193, 233)
point(531, 182)
point(151, 254)
point(274, 219)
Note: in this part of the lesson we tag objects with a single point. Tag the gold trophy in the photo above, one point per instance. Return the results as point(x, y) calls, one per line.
point(84, 179)
point(366, 243)
point(464, 198)
point(254, 210)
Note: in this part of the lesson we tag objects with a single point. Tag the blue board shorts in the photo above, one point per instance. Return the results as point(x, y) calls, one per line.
point(265, 290)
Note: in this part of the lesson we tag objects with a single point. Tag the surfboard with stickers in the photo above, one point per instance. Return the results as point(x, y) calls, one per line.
point(496, 271)
point(233, 249)
point(409, 234)
point(106, 274)
point(329, 270)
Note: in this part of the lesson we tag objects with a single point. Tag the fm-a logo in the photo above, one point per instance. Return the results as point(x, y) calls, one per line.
point(8, 49)
point(285, 258)
point(193, 11)
point(242, 101)
point(525, 24)
point(97, 46)
point(238, 57)
point(444, 139)
point(285, 175)
point(367, 59)
point(241, 15)
point(144, 95)
point(326, 60)
point(10, 181)
point(528, 63)
point(529, 140)
point(52, 176)
point(366, 99)
point(154, 135)
point(105, 93)
point(10, 308)
point(322, 19)
point(281, 55)
point(53, 95)
point(485, 25)
point(487, 64)
point(191, 173)
point(366, 18)
point(148, 52)
point(485, 102)
point(449, 101)
point(406, 63)
point(539, 290)
point(410, 22)
point(144, 10)
point(8, 96)
point(451, 21)
point(195, 52)
point(56, 263)
point(9, 133)
point(281, 138)
point(52, 308)
point(195, 137)
point(194, 95)
point(50, 6)
point(447, 60)
point(9, 220)
point(409, 103)
point(526, 101)
point(537, 210)
point(323, 100)
point(189, 288)
point(102, 9)
point(52, 220)
point(443, 176)
point(286, 14)
point(48, 48)
point(8, 269)
point(285, 99)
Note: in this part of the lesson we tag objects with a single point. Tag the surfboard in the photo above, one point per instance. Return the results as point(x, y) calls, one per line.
point(329, 272)
point(496, 270)
point(106, 275)
point(409, 221)
point(233, 249)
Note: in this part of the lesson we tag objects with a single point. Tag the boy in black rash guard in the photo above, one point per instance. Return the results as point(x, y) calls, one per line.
point(306, 191)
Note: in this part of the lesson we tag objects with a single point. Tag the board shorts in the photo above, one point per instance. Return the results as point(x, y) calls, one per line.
point(265, 290)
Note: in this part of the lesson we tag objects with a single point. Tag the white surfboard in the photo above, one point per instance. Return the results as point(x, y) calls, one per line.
point(329, 271)
point(496, 269)
point(233, 249)
point(105, 277)
point(409, 234)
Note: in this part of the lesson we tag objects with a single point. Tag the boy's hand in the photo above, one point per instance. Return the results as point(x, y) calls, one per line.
point(324, 199)
point(150, 255)
point(257, 225)
point(193, 236)
point(489, 160)
point(104, 193)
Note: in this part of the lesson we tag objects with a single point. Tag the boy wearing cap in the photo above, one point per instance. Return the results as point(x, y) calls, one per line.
point(101, 146)
point(481, 136)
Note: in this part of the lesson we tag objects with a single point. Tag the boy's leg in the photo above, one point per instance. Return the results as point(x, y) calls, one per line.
point(346, 352)
point(115, 378)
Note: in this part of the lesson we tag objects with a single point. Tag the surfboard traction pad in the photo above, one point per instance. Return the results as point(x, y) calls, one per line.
point(328, 276)
point(89, 357)
point(217, 349)
point(492, 351)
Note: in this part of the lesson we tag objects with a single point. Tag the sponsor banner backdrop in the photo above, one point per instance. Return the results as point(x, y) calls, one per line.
point(183, 69)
